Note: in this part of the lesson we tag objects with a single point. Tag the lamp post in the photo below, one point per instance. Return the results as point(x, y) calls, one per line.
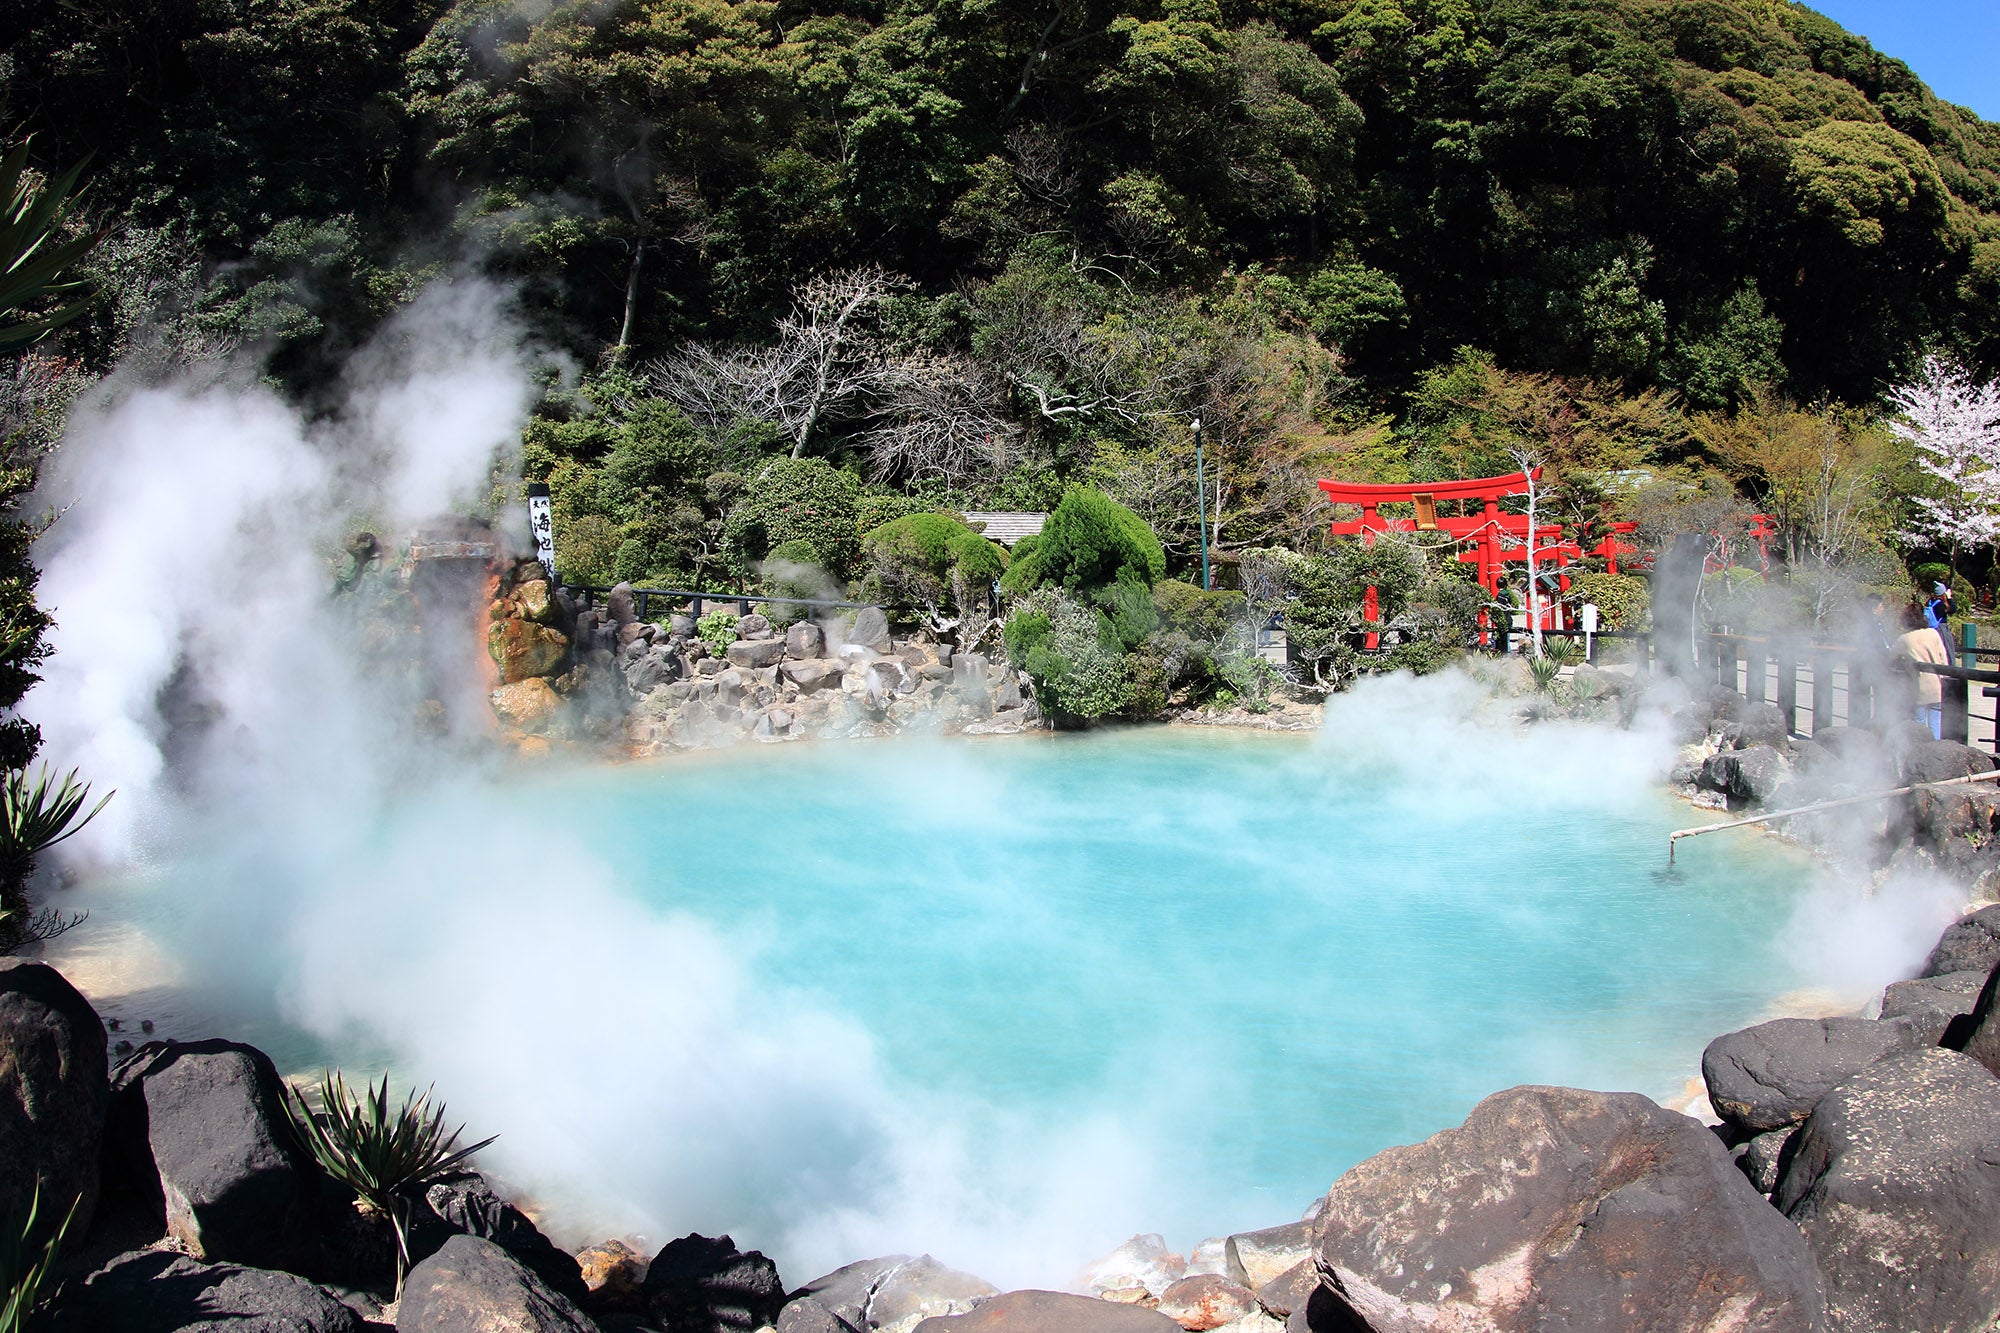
point(1201, 503)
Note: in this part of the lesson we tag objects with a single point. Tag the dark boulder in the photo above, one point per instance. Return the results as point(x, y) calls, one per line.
point(701, 1284)
point(1290, 1290)
point(474, 1286)
point(754, 626)
point(1747, 776)
point(1763, 1158)
point(1769, 1076)
point(1558, 1208)
point(150, 1291)
point(620, 606)
point(838, 1300)
point(1937, 761)
point(1756, 723)
point(1969, 944)
point(1895, 1181)
point(1977, 1033)
point(870, 630)
point(1930, 1003)
point(463, 1203)
point(755, 653)
point(206, 1122)
point(803, 639)
point(53, 1091)
point(1052, 1312)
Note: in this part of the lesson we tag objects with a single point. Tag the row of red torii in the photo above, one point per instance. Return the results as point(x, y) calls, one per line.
point(1496, 538)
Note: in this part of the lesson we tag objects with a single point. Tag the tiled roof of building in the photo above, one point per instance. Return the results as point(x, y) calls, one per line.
point(1008, 528)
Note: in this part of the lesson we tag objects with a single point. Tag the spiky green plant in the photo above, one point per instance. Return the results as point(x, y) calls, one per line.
point(1544, 670)
point(376, 1152)
point(26, 1260)
point(38, 812)
point(1560, 651)
point(33, 253)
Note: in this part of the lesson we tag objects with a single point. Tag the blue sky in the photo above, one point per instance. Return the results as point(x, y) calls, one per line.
point(1953, 45)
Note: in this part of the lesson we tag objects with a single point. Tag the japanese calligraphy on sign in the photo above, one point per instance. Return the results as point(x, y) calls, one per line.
point(541, 521)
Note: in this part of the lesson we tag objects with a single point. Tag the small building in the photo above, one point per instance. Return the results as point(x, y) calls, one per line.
point(1007, 527)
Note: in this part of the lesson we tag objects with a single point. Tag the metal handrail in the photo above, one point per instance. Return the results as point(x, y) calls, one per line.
point(641, 596)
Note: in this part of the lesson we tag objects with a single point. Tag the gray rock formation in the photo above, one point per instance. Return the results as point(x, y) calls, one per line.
point(148, 1291)
point(1930, 1003)
point(1748, 775)
point(1593, 1210)
point(1770, 1076)
point(53, 1091)
point(756, 653)
point(1052, 1312)
point(1143, 1261)
point(1254, 1258)
point(870, 630)
point(207, 1119)
point(804, 639)
point(1969, 944)
point(474, 1286)
point(1895, 1181)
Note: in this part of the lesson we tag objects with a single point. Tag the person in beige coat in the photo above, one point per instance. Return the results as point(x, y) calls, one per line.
point(1921, 643)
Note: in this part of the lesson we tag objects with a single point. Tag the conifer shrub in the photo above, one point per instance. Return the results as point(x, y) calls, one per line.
point(1088, 540)
point(799, 499)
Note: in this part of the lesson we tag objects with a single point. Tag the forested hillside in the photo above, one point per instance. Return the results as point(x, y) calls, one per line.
point(979, 250)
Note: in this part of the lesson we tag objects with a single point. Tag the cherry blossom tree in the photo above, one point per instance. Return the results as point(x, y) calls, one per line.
point(1953, 424)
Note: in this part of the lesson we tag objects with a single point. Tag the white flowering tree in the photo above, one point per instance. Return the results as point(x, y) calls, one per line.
point(1953, 423)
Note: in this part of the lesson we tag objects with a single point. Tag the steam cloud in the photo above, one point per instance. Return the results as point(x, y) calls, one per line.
point(641, 1075)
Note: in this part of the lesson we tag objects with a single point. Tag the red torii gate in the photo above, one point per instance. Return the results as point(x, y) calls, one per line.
point(1498, 537)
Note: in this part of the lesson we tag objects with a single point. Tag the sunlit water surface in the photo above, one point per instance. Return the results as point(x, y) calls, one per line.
point(1260, 958)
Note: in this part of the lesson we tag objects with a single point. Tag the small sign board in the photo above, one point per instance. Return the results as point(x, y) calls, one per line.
point(541, 521)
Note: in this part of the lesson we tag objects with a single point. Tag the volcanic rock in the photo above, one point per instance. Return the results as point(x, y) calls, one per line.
point(1769, 1076)
point(1936, 761)
point(699, 1284)
point(1930, 1003)
point(620, 606)
point(1209, 1256)
point(1969, 944)
point(1256, 1257)
point(1895, 1181)
point(537, 602)
point(527, 705)
point(1553, 1207)
point(1977, 1033)
point(755, 653)
point(614, 1274)
point(837, 1301)
point(1762, 1158)
point(753, 626)
point(804, 639)
point(150, 1291)
point(1749, 774)
point(1291, 1289)
point(1206, 1302)
point(474, 1286)
point(870, 630)
point(920, 1289)
point(523, 650)
point(1756, 723)
point(53, 1092)
point(1051, 1312)
point(463, 1203)
point(813, 673)
point(1143, 1261)
point(207, 1120)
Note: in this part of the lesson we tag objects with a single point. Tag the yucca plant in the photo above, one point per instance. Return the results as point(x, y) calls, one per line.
point(33, 254)
point(1560, 651)
point(1544, 670)
point(377, 1152)
point(38, 812)
point(26, 1260)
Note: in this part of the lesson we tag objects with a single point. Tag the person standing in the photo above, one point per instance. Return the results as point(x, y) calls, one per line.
point(1923, 643)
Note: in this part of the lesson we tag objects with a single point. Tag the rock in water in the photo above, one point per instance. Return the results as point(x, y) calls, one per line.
point(208, 1118)
point(53, 1092)
point(1895, 1181)
point(474, 1286)
point(1769, 1076)
point(148, 1291)
point(1052, 1312)
point(1969, 944)
point(699, 1284)
point(1553, 1207)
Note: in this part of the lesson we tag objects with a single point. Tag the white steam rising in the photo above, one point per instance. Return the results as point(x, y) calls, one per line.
point(643, 1078)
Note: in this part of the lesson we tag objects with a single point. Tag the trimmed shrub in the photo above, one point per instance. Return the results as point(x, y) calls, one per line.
point(1072, 654)
point(875, 510)
point(1199, 615)
point(1622, 600)
point(798, 499)
point(1086, 543)
point(934, 560)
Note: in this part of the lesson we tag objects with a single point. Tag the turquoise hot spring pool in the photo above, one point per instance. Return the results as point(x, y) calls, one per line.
point(1010, 1001)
